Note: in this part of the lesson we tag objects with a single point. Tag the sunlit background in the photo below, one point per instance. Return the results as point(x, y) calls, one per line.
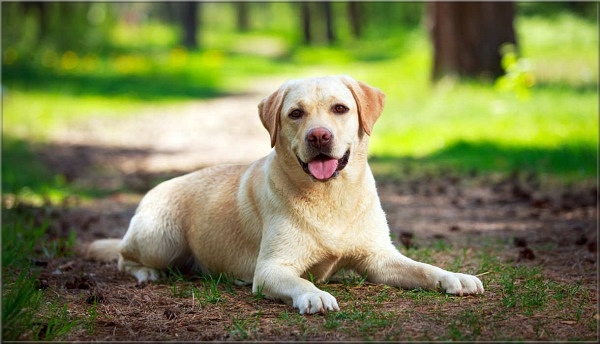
point(67, 63)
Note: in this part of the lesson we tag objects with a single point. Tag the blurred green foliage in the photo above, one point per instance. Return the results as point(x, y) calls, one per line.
point(173, 74)
point(112, 59)
point(105, 28)
point(518, 77)
point(552, 9)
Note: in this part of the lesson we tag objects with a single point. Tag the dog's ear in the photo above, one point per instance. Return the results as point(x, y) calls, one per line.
point(370, 102)
point(269, 110)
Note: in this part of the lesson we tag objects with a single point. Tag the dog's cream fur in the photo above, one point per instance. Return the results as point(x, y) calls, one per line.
point(271, 223)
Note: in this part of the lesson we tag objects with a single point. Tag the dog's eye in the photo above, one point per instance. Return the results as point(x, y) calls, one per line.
point(340, 109)
point(295, 114)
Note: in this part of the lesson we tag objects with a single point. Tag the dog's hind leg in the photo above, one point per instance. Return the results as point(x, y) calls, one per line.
point(153, 243)
point(140, 272)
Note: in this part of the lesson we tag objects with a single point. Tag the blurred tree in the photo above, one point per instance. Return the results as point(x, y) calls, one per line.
point(329, 32)
point(324, 28)
point(167, 11)
point(305, 9)
point(31, 27)
point(354, 17)
point(189, 20)
point(38, 9)
point(243, 22)
point(467, 37)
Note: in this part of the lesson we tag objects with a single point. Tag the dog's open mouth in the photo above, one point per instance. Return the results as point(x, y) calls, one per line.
point(323, 167)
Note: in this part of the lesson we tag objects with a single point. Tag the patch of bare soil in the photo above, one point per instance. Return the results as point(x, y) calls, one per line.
point(557, 234)
point(551, 228)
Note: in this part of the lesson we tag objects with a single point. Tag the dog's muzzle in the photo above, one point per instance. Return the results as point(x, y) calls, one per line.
point(323, 167)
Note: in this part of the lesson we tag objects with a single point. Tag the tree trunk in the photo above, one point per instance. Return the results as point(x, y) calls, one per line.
point(467, 37)
point(189, 20)
point(242, 16)
point(354, 18)
point(40, 9)
point(305, 8)
point(169, 11)
point(329, 32)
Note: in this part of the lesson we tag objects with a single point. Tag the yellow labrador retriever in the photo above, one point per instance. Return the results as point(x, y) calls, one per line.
point(309, 208)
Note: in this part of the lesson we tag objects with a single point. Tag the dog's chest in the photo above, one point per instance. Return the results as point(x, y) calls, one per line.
point(336, 208)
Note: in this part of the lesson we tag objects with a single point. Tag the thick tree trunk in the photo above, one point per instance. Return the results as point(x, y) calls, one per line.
point(467, 37)
point(189, 20)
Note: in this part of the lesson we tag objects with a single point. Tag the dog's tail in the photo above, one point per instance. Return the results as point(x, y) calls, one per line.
point(104, 250)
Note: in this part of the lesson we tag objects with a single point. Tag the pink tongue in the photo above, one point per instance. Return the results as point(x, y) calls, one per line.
point(322, 169)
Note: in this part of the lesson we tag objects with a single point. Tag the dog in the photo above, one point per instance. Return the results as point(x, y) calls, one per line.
point(303, 212)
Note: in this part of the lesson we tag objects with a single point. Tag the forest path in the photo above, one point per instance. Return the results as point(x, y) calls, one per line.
point(185, 135)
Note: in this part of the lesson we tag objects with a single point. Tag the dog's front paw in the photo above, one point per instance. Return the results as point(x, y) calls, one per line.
point(315, 302)
point(459, 284)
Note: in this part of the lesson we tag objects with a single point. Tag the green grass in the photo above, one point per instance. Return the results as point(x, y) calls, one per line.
point(174, 74)
point(467, 326)
point(369, 321)
point(28, 312)
point(523, 290)
point(26, 179)
point(564, 49)
point(20, 302)
point(209, 290)
point(244, 327)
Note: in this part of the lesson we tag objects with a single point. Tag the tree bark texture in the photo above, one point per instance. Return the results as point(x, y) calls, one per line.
point(467, 37)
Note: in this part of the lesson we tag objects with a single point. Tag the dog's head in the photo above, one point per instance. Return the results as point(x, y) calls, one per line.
point(322, 122)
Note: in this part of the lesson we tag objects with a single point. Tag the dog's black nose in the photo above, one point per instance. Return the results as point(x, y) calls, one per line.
point(319, 137)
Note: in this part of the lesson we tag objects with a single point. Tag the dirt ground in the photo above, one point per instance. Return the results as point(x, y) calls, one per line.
point(128, 156)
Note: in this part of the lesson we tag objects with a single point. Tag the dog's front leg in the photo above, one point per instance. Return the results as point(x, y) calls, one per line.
point(281, 262)
point(392, 268)
point(279, 280)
